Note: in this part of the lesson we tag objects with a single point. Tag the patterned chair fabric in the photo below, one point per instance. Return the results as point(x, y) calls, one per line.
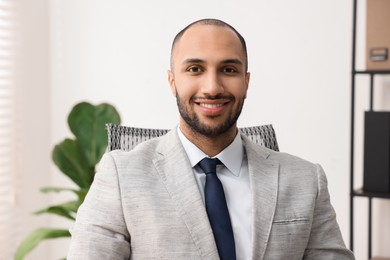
point(126, 138)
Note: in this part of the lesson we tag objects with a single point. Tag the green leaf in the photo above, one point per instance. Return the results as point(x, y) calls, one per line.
point(68, 157)
point(76, 158)
point(87, 122)
point(56, 211)
point(67, 210)
point(81, 193)
point(56, 189)
point(36, 237)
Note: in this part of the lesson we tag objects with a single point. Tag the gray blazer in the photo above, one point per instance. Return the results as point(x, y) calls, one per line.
point(145, 204)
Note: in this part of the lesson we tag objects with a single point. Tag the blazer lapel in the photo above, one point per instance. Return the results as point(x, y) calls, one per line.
point(174, 169)
point(264, 176)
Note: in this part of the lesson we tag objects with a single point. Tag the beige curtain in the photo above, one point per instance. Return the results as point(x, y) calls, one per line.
point(8, 126)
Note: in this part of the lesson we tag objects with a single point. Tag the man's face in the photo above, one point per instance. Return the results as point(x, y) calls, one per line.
point(209, 79)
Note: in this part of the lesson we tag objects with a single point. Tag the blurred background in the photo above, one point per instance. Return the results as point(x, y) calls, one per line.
point(61, 52)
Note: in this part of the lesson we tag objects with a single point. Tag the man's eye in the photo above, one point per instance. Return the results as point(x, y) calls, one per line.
point(229, 70)
point(194, 69)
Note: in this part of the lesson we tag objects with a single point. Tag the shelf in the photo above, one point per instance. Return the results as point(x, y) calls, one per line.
point(371, 72)
point(361, 193)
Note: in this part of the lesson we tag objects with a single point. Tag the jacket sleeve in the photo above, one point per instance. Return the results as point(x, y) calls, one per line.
point(100, 231)
point(325, 240)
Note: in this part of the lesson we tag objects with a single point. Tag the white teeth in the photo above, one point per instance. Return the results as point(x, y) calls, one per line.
point(210, 105)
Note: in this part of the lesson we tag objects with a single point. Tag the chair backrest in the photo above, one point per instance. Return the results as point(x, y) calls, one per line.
point(126, 137)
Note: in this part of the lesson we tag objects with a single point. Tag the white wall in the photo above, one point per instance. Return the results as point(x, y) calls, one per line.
point(34, 119)
point(299, 56)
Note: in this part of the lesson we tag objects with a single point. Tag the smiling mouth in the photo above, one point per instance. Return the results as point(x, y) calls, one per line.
point(212, 102)
point(211, 105)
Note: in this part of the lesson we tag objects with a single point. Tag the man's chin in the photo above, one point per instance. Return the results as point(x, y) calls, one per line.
point(212, 130)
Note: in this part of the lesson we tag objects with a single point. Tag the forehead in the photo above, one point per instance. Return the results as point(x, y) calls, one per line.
point(208, 42)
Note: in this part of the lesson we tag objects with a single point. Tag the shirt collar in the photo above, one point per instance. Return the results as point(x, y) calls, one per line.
point(231, 156)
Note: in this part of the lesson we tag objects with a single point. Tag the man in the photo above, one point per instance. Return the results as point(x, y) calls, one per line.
point(156, 201)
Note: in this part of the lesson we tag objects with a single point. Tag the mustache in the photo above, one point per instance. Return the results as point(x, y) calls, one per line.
point(216, 97)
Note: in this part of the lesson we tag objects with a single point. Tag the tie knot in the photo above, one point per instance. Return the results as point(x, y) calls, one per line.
point(209, 165)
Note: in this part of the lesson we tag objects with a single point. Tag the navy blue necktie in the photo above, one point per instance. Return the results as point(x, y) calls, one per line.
point(217, 210)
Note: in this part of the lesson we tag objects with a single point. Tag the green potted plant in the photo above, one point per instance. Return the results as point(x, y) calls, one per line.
point(76, 158)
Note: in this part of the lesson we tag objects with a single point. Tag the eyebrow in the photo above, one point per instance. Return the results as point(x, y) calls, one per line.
point(227, 61)
point(192, 60)
point(233, 61)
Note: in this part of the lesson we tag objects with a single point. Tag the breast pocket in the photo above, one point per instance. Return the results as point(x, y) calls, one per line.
point(292, 221)
point(288, 238)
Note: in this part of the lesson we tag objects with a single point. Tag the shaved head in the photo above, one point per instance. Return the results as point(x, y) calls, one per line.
point(210, 22)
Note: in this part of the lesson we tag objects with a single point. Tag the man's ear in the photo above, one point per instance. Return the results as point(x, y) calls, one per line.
point(247, 79)
point(171, 81)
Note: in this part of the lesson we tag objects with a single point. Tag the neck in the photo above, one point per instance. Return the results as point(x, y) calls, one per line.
point(210, 145)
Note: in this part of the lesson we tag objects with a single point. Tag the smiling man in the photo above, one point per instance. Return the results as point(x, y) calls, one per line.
point(204, 191)
point(210, 80)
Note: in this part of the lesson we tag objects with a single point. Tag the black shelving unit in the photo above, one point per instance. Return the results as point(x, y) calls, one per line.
point(360, 192)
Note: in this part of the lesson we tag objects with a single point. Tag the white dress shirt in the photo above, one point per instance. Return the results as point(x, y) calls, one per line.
point(234, 176)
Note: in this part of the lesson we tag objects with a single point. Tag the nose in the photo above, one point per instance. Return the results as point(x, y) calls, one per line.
point(212, 85)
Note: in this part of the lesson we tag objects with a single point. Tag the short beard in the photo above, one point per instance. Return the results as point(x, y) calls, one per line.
point(194, 123)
